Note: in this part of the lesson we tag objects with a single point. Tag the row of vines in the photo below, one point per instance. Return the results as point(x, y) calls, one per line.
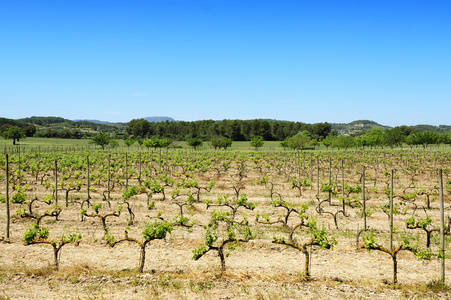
point(387, 201)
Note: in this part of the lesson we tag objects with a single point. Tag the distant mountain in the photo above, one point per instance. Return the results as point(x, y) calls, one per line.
point(159, 119)
point(92, 121)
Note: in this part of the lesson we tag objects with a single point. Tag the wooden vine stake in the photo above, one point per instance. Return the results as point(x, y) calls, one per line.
point(56, 182)
point(442, 228)
point(126, 171)
point(363, 198)
point(87, 163)
point(8, 217)
point(343, 182)
point(329, 198)
point(311, 170)
point(139, 168)
point(317, 176)
point(297, 158)
point(109, 175)
point(391, 210)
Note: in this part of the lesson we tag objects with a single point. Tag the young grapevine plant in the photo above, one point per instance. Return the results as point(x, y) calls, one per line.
point(40, 235)
point(221, 234)
point(318, 237)
point(370, 243)
point(152, 231)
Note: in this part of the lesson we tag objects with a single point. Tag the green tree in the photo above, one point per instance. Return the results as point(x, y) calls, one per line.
point(428, 138)
point(102, 139)
point(29, 130)
point(234, 131)
point(13, 132)
point(114, 143)
point(257, 142)
point(424, 138)
point(445, 138)
point(219, 142)
point(165, 142)
point(321, 130)
point(138, 127)
point(149, 143)
point(129, 142)
point(373, 137)
point(195, 142)
point(299, 141)
point(394, 137)
point(343, 142)
point(328, 141)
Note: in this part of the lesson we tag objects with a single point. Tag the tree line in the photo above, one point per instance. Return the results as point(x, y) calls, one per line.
point(294, 135)
point(393, 137)
point(236, 130)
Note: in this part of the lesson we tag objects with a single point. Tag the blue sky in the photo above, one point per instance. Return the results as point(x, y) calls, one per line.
point(308, 61)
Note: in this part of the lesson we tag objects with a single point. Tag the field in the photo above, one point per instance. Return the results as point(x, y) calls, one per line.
point(45, 145)
point(235, 212)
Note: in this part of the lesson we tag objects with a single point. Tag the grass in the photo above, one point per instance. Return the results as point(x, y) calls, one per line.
point(437, 285)
point(32, 142)
point(57, 144)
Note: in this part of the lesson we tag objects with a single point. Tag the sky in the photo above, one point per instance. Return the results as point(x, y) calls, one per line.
point(388, 61)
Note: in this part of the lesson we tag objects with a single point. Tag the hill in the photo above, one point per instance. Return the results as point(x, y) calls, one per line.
point(356, 127)
point(92, 121)
point(159, 119)
point(60, 127)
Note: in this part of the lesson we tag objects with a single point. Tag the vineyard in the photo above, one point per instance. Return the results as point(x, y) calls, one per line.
point(225, 224)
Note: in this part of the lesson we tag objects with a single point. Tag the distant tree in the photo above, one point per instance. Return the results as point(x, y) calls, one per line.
point(215, 142)
point(65, 133)
point(102, 139)
point(445, 138)
point(138, 127)
point(4, 127)
point(140, 141)
point(114, 143)
point(299, 141)
point(157, 143)
point(257, 142)
point(50, 133)
point(314, 143)
point(321, 130)
point(328, 141)
point(29, 130)
point(225, 143)
point(165, 143)
point(129, 142)
point(76, 134)
point(195, 142)
point(234, 131)
point(343, 142)
point(426, 138)
point(407, 130)
point(149, 143)
point(393, 137)
point(284, 144)
point(14, 133)
point(219, 142)
point(373, 137)
point(413, 140)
